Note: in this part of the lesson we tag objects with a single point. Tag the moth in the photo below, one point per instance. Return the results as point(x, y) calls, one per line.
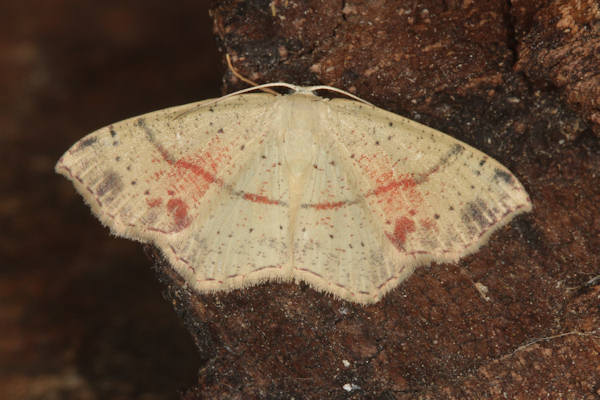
point(256, 187)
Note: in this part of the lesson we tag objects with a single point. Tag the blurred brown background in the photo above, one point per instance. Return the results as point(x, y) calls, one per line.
point(81, 312)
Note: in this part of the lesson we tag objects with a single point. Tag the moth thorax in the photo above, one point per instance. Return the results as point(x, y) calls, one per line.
point(301, 140)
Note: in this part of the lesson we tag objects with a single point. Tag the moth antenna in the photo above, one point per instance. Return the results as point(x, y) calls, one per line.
point(265, 87)
point(340, 91)
point(244, 79)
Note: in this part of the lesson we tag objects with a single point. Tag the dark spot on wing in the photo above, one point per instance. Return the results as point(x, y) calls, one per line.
point(456, 149)
point(112, 132)
point(110, 184)
point(474, 212)
point(86, 143)
point(503, 176)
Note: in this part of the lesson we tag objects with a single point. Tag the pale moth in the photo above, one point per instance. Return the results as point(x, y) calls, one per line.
point(259, 187)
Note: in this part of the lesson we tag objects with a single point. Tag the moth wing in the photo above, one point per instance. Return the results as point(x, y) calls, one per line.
point(169, 178)
point(339, 246)
point(242, 238)
point(437, 197)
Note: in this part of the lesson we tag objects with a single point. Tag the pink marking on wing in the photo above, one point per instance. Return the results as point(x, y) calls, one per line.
point(328, 206)
point(310, 272)
point(404, 184)
point(396, 196)
point(204, 167)
point(433, 171)
point(163, 153)
point(196, 169)
point(154, 202)
point(179, 210)
point(403, 227)
point(428, 224)
point(188, 178)
point(256, 198)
